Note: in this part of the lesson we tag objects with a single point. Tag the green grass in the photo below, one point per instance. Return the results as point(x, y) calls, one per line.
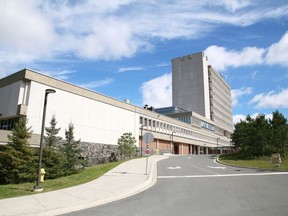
point(262, 163)
point(88, 174)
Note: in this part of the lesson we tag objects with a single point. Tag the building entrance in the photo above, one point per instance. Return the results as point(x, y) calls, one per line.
point(176, 148)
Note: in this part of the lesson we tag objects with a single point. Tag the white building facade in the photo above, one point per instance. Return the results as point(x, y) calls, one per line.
point(98, 120)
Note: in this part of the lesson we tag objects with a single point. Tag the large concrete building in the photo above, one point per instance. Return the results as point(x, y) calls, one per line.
point(197, 87)
point(100, 120)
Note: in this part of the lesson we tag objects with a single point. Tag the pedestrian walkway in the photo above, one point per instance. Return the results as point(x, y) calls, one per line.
point(125, 180)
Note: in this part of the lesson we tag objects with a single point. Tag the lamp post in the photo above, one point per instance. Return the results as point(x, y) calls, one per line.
point(141, 154)
point(37, 187)
point(172, 143)
point(217, 144)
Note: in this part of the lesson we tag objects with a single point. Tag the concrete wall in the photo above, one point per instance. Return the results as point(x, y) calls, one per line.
point(9, 96)
point(93, 120)
point(190, 84)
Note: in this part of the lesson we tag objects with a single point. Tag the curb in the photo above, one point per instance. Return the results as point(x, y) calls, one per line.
point(149, 182)
point(243, 167)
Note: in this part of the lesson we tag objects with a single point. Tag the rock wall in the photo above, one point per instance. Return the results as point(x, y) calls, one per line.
point(95, 153)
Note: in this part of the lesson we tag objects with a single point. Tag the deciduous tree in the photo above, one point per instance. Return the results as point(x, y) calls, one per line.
point(126, 145)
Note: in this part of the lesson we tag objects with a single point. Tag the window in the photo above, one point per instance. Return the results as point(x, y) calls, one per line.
point(8, 124)
point(207, 126)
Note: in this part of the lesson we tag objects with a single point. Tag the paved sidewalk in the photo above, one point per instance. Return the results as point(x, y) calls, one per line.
point(123, 181)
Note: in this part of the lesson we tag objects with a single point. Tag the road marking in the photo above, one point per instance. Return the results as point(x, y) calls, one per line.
point(216, 167)
point(205, 170)
point(172, 168)
point(224, 175)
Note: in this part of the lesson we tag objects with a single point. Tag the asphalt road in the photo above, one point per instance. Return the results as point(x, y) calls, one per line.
point(196, 185)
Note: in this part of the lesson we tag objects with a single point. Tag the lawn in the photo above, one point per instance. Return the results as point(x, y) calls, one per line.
point(262, 162)
point(88, 174)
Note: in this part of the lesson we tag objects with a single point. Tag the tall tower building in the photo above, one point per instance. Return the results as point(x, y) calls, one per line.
point(197, 87)
point(190, 84)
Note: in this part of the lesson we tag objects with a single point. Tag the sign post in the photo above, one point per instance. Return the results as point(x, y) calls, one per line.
point(147, 138)
point(276, 159)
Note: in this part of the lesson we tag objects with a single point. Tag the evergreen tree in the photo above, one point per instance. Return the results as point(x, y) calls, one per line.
point(259, 136)
point(53, 160)
point(20, 135)
point(18, 162)
point(279, 133)
point(126, 145)
point(51, 138)
point(71, 150)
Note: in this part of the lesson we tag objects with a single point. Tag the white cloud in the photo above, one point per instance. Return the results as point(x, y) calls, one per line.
point(113, 29)
point(272, 100)
point(237, 93)
point(278, 52)
point(221, 58)
point(254, 75)
point(158, 92)
point(97, 84)
point(124, 69)
point(25, 29)
point(238, 117)
point(233, 5)
point(59, 74)
point(164, 64)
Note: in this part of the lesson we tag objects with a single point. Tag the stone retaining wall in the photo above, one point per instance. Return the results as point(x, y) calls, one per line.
point(96, 153)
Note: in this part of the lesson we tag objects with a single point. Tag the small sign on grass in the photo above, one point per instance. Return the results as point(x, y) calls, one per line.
point(276, 159)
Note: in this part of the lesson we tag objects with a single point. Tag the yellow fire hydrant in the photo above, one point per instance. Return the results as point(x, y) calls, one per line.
point(42, 173)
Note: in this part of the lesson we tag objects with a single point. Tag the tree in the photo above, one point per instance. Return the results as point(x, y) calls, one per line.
point(259, 136)
point(71, 151)
point(18, 162)
point(279, 133)
point(242, 136)
point(20, 134)
point(54, 161)
point(51, 138)
point(126, 145)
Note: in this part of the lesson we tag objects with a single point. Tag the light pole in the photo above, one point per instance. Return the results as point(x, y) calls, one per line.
point(37, 187)
point(217, 144)
point(141, 154)
point(172, 144)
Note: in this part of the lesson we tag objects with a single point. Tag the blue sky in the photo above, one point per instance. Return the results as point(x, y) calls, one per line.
point(123, 48)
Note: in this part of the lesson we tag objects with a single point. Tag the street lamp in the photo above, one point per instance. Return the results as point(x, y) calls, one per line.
point(141, 154)
point(217, 144)
point(172, 143)
point(37, 187)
